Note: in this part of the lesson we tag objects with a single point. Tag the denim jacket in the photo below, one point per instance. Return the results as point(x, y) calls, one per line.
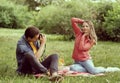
point(23, 47)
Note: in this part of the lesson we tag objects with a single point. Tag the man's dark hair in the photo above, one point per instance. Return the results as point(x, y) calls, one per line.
point(31, 31)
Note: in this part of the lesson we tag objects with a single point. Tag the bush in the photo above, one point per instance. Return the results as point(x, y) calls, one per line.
point(100, 13)
point(107, 20)
point(112, 23)
point(54, 21)
point(13, 16)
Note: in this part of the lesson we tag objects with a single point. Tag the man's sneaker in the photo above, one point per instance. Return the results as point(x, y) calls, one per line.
point(56, 78)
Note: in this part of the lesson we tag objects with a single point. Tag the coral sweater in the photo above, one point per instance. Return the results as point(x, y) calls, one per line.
point(82, 43)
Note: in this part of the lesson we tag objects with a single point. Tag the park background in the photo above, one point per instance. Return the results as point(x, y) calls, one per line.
point(52, 17)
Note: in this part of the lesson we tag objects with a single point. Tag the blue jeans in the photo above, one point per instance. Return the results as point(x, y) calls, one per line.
point(86, 66)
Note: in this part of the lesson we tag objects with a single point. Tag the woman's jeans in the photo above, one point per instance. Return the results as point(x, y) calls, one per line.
point(86, 66)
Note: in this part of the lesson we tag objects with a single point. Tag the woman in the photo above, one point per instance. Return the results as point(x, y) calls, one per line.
point(85, 38)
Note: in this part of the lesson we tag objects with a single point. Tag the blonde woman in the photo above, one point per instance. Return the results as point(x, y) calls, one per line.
point(85, 38)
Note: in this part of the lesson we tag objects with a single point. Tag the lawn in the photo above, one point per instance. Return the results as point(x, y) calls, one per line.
point(104, 54)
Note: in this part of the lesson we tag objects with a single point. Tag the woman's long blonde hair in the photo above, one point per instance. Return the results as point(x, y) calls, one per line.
point(93, 35)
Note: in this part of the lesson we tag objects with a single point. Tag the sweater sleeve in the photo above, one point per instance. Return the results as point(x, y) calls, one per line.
point(85, 45)
point(75, 22)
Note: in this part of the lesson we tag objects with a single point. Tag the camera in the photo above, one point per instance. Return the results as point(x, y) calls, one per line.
point(40, 35)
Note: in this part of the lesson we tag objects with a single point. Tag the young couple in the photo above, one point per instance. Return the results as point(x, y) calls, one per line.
point(31, 46)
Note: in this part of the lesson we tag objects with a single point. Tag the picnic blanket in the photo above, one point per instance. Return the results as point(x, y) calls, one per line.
point(65, 71)
point(74, 73)
point(71, 73)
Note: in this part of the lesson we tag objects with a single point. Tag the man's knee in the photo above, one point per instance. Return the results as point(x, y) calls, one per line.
point(54, 56)
point(29, 56)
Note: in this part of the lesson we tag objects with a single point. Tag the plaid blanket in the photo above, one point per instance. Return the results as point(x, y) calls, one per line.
point(65, 71)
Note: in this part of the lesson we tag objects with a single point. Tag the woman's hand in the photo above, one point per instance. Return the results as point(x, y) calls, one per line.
point(85, 34)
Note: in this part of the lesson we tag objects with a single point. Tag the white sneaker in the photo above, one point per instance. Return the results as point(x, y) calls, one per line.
point(112, 69)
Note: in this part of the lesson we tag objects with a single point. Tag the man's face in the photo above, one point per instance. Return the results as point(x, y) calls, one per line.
point(35, 38)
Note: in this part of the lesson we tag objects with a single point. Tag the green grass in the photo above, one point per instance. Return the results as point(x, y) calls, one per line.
point(104, 54)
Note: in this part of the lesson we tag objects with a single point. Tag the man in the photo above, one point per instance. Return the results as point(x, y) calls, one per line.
point(29, 49)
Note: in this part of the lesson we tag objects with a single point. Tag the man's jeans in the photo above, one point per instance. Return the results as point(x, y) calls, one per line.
point(31, 65)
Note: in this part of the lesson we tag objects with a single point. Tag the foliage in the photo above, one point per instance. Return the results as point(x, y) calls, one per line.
point(13, 16)
point(33, 4)
point(111, 24)
point(107, 21)
point(100, 13)
point(53, 21)
point(20, 2)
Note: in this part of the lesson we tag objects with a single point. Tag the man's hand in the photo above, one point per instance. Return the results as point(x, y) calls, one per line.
point(43, 39)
